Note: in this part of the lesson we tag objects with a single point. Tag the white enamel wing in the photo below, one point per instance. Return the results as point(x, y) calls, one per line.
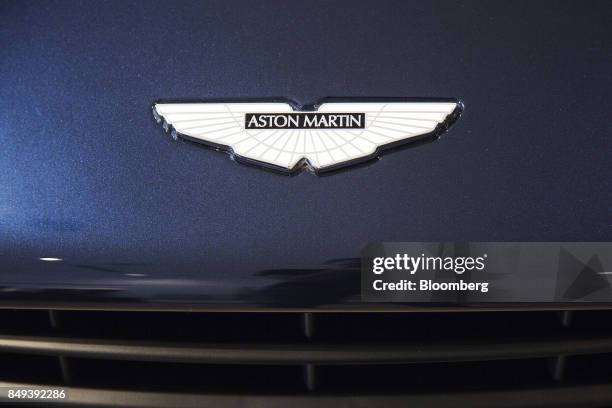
point(223, 125)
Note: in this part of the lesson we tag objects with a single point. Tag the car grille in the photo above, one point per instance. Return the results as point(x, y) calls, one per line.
point(438, 358)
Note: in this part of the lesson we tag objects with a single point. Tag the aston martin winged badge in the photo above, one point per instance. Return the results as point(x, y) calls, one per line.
point(324, 137)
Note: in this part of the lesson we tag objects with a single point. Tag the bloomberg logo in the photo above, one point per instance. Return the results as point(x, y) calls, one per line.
point(304, 120)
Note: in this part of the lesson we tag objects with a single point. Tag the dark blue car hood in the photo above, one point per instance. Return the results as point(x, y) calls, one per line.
point(88, 177)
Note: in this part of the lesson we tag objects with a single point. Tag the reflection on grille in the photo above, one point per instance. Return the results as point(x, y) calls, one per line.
point(190, 359)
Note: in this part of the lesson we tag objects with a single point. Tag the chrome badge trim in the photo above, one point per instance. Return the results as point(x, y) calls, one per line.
point(280, 135)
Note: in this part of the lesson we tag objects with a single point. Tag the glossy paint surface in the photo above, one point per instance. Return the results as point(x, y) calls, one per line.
point(88, 177)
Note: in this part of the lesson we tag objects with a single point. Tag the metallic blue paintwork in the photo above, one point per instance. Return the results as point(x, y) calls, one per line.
point(86, 174)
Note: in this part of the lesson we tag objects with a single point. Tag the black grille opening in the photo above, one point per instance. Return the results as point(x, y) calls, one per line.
point(24, 321)
point(432, 378)
point(26, 368)
point(596, 321)
point(423, 326)
point(180, 326)
point(186, 377)
point(586, 369)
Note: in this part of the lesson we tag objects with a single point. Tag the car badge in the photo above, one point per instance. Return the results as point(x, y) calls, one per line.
point(330, 135)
